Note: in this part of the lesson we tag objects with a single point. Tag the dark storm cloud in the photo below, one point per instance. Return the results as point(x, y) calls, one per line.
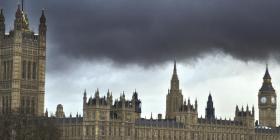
point(153, 31)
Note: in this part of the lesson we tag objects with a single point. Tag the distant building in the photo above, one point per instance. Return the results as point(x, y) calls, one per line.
point(22, 81)
point(104, 119)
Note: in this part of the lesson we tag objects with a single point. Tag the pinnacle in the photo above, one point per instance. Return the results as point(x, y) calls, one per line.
point(266, 75)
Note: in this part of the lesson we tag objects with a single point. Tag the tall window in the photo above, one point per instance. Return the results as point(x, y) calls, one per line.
point(34, 72)
point(28, 105)
point(22, 105)
point(5, 70)
point(33, 105)
point(3, 104)
point(23, 70)
point(29, 70)
point(11, 70)
point(8, 69)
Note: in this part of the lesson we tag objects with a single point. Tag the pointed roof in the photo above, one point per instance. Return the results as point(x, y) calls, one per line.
point(210, 97)
point(18, 12)
point(267, 85)
point(43, 17)
point(175, 67)
point(2, 18)
point(174, 75)
point(266, 75)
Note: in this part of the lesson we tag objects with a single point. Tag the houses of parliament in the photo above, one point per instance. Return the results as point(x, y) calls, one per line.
point(22, 91)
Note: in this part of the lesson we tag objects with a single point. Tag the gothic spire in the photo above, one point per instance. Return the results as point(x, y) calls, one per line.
point(43, 17)
point(2, 18)
point(18, 12)
point(175, 80)
point(210, 110)
point(266, 75)
point(175, 68)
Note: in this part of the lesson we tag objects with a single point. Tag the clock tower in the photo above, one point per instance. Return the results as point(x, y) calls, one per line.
point(267, 102)
point(174, 98)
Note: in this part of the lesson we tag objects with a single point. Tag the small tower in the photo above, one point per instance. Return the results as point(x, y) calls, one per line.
point(59, 111)
point(210, 110)
point(42, 60)
point(42, 27)
point(267, 102)
point(247, 117)
point(85, 97)
point(187, 113)
point(136, 103)
point(174, 98)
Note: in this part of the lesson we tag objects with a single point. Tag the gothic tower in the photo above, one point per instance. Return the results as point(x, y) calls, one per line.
point(267, 102)
point(210, 110)
point(174, 98)
point(22, 64)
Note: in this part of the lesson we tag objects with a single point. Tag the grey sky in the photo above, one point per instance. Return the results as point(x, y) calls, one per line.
point(220, 45)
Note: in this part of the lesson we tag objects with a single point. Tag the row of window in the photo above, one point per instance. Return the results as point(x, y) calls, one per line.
point(193, 136)
point(102, 131)
point(27, 105)
point(6, 104)
point(29, 70)
point(7, 67)
point(116, 131)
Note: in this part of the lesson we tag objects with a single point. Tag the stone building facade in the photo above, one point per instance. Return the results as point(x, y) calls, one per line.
point(104, 119)
point(22, 66)
point(22, 81)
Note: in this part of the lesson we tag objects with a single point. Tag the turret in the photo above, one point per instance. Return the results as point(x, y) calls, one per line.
point(85, 97)
point(43, 26)
point(210, 110)
point(21, 20)
point(59, 111)
point(247, 117)
point(109, 98)
point(18, 20)
point(236, 110)
point(42, 30)
point(2, 24)
point(136, 103)
point(195, 104)
point(46, 113)
point(187, 113)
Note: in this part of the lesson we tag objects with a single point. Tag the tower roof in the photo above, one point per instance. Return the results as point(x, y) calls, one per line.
point(2, 18)
point(175, 76)
point(210, 110)
point(43, 17)
point(210, 97)
point(266, 75)
point(267, 85)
